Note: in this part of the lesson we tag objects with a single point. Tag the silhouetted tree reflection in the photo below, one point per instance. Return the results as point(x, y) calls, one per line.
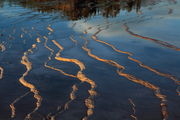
point(77, 9)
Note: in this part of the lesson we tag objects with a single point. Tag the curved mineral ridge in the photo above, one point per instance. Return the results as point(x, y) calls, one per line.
point(1, 72)
point(50, 57)
point(81, 76)
point(72, 95)
point(73, 40)
point(12, 105)
point(2, 49)
point(133, 115)
point(172, 77)
point(132, 78)
point(163, 43)
point(25, 61)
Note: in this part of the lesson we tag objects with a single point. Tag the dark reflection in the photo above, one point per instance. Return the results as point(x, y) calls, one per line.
point(1, 4)
point(77, 9)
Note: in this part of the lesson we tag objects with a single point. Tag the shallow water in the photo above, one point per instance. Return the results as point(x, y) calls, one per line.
point(89, 60)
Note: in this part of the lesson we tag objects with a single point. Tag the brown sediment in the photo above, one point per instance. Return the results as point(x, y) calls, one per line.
point(132, 78)
point(81, 76)
point(172, 77)
point(163, 43)
point(133, 115)
point(1, 72)
point(59, 70)
point(12, 105)
point(32, 88)
point(50, 29)
point(2, 48)
point(38, 40)
point(85, 32)
point(72, 95)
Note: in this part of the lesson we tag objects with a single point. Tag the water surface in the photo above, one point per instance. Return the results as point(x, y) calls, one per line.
point(89, 60)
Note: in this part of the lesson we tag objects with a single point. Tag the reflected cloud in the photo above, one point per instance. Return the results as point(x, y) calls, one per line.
point(135, 20)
